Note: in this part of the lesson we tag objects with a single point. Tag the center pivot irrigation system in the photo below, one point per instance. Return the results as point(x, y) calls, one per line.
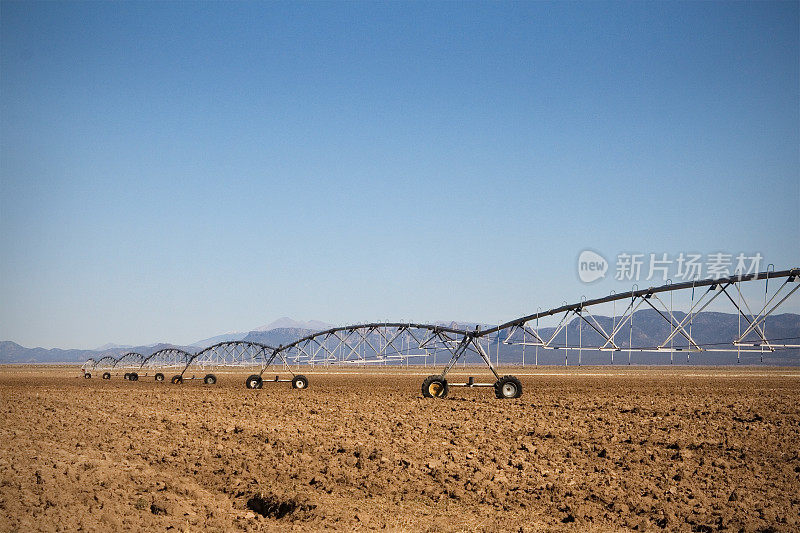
point(683, 322)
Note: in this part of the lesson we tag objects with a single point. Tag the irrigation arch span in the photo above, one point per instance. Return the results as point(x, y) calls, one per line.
point(383, 342)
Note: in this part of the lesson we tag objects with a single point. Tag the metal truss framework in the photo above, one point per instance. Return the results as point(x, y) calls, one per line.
point(106, 363)
point(129, 361)
point(222, 355)
point(167, 359)
point(243, 354)
point(681, 328)
point(376, 343)
point(394, 342)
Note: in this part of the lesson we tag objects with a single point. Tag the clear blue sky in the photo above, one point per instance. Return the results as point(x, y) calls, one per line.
point(170, 171)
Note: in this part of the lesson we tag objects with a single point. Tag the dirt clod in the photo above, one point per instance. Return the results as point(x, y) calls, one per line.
point(271, 507)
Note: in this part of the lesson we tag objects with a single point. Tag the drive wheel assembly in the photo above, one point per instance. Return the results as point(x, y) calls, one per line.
point(508, 387)
point(254, 382)
point(299, 382)
point(435, 387)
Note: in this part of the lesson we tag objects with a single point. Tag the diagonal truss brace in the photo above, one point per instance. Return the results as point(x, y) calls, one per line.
point(469, 343)
point(760, 318)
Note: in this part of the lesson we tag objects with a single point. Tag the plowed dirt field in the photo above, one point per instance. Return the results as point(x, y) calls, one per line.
point(679, 449)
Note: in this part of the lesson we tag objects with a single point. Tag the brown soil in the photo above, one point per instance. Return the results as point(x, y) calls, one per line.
point(589, 449)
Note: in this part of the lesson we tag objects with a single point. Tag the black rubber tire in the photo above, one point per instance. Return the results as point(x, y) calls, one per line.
point(507, 387)
point(106, 375)
point(126, 376)
point(254, 382)
point(435, 387)
point(210, 379)
point(159, 376)
point(87, 375)
point(133, 376)
point(177, 379)
point(299, 382)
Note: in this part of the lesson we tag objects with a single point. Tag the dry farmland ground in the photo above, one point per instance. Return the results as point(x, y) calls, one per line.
point(679, 449)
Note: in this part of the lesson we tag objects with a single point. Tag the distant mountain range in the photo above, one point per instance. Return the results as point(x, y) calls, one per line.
point(112, 346)
point(281, 331)
point(283, 323)
point(288, 323)
point(649, 330)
